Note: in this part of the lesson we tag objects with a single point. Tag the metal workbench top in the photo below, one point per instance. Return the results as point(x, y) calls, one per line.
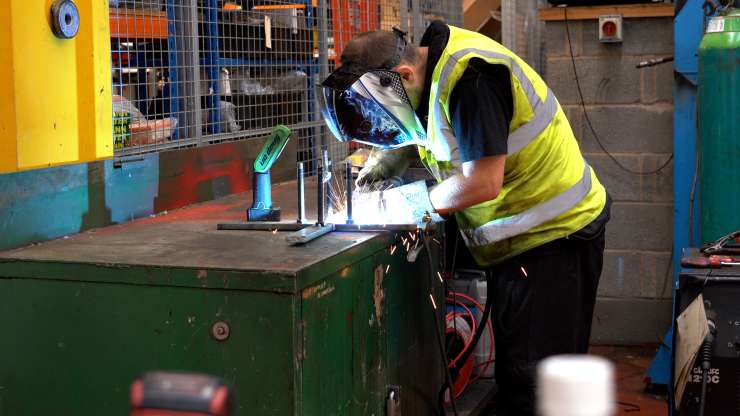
point(187, 239)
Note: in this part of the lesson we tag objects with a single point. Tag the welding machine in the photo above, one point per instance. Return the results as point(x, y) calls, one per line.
point(179, 394)
point(720, 288)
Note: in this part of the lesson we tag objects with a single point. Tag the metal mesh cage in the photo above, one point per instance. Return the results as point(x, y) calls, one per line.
point(198, 72)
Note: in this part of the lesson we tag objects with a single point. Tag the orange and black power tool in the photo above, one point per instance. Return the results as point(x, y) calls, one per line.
point(179, 394)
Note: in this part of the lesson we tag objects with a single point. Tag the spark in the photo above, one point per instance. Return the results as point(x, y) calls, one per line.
point(440, 277)
point(524, 271)
point(393, 249)
point(387, 268)
point(403, 240)
point(413, 236)
point(434, 304)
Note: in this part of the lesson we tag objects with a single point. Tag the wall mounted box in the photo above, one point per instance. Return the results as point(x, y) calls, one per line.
point(610, 28)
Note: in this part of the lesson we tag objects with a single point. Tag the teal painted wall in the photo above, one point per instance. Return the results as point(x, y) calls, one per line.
point(39, 205)
point(44, 204)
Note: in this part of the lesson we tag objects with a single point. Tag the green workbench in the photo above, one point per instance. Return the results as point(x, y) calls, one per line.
point(323, 329)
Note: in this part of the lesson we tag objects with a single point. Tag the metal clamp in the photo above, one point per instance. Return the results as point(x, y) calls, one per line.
point(65, 19)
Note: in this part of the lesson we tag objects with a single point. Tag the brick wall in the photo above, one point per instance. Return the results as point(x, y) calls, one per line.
point(631, 110)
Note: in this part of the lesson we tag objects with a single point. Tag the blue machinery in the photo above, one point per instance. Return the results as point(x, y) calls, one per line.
point(688, 29)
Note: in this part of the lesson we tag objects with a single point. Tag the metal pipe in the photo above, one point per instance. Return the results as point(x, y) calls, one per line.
point(300, 178)
point(328, 172)
point(286, 226)
point(320, 194)
point(194, 66)
point(349, 193)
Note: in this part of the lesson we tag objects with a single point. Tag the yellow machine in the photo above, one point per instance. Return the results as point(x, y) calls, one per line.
point(55, 83)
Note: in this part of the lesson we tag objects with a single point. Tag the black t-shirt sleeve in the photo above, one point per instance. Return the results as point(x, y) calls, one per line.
point(481, 108)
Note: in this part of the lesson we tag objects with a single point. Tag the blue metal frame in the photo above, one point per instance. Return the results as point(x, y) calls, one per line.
point(688, 29)
point(174, 96)
point(213, 67)
point(213, 61)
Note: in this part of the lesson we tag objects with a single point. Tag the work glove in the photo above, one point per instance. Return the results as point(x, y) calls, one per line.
point(407, 204)
point(385, 165)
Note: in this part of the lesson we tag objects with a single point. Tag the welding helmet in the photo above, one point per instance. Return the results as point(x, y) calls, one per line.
point(370, 106)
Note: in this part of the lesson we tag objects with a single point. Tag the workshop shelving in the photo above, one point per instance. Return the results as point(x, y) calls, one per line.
point(211, 66)
point(167, 40)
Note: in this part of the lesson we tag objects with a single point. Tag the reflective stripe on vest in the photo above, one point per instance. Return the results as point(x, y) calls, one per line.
point(544, 112)
point(503, 228)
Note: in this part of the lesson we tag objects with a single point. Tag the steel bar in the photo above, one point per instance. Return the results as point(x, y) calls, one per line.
point(262, 226)
point(348, 203)
point(301, 194)
point(287, 226)
point(329, 192)
point(375, 227)
point(320, 195)
point(309, 234)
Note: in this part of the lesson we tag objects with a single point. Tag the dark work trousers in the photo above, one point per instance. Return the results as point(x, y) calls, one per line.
point(542, 305)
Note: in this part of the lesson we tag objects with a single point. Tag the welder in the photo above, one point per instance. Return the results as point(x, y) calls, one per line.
point(509, 172)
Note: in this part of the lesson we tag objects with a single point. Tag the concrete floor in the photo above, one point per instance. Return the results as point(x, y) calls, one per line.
point(631, 364)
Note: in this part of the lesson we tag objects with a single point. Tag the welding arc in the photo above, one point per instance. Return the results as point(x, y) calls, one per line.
point(440, 341)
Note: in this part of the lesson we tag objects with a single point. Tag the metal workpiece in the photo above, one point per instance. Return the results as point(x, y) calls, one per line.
point(301, 186)
point(320, 200)
point(309, 234)
point(348, 202)
point(326, 179)
point(286, 226)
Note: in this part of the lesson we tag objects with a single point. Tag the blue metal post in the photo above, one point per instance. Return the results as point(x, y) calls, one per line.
point(142, 90)
point(172, 65)
point(688, 29)
point(213, 68)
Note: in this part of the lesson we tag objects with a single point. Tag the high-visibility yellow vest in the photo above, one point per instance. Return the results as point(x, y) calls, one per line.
point(548, 191)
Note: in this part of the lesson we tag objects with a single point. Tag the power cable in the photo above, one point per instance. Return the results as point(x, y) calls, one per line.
point(438, 332)
point(588, 119)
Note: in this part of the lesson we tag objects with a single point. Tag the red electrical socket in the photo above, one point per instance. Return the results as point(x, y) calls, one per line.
point(610, 28)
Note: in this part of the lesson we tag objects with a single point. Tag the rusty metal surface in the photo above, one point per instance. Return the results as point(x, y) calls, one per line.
point(190, 245)
point(188, 238)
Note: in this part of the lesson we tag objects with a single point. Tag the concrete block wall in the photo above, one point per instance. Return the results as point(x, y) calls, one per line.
point(631, 110)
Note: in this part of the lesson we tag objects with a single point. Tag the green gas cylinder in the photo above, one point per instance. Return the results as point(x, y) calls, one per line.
point(719, 126)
